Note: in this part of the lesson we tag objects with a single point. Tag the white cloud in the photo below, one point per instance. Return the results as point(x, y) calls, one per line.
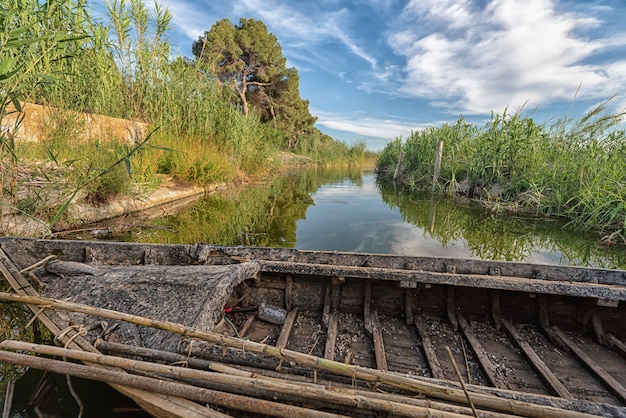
point(367, 126)
point(474, 60)
point(290, 23)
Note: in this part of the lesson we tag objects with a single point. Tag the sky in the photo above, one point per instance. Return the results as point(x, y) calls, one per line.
point(375, 70)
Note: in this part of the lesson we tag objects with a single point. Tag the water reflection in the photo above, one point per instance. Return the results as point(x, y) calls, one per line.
point(469, 231)
point(346, 210)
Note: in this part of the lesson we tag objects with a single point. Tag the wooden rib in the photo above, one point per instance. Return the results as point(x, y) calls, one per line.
point(429, 350)
point(609, 382)
point(154, 403)
point(288, 292)
point(451, 308)
point(245, 328)
point(535, 361)
point(598, 329)
point(285, 332)
point(326, 308)
point(616, 344)
point(367, 307)
point(495, 309)
point(332, 304)
point(487, 365)
point(331, 337)
point(542, 311)
point(335, 294)
point(379, 345)
point(408, 305)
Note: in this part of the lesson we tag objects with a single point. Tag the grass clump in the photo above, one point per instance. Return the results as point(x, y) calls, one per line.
point(572, 169)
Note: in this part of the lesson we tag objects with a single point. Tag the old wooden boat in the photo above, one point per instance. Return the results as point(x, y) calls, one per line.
point(306, 333)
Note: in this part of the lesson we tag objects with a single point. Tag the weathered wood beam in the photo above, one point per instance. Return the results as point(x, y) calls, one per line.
point(451, 308)
point(616, 344)
point(332, 304)
point(429, 349)
point(607, 380)
point(409, 301)
point(487, 365)
point(331, 337)
point(495, 309)
point(285, 332)
point(482, 281)
point(247, 325)
point(535, 361)
point(379, 344)
point(288, 292)
point(367, 307)
point(28, 250)
point(326, 308)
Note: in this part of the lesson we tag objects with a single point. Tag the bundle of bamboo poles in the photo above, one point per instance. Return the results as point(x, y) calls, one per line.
point(235, 389)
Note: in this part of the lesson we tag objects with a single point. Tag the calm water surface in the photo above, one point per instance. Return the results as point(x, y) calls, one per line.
point(348, 210)
point(336, 210)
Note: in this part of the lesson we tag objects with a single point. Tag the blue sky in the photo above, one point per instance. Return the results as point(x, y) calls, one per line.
point(378, 69)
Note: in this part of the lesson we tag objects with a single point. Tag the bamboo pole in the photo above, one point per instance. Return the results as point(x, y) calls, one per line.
point(267, 387)
point(357, 372)
point(152, 354)
point(228, 400)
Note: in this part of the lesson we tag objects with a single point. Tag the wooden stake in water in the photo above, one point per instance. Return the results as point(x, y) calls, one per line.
point(438, 157)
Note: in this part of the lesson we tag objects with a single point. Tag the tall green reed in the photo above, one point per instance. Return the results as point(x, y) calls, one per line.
point(569, 168)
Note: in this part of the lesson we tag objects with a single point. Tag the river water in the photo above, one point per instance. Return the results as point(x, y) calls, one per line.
point(349, 210)
point(326, 209)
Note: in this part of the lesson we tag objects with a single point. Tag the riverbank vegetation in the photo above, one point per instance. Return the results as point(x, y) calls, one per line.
point(56, 54)
point(572, 169)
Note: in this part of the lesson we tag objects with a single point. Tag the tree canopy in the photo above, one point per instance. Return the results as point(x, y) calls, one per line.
point(248, 59)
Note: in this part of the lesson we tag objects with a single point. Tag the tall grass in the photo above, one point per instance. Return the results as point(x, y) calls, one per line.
point(56, 54)
point(569, 168)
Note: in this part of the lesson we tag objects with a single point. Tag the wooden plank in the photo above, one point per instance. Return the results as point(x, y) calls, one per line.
point(155, 404)
point(176, 254)
point(429, 349)
point(487, 365)
point(247, 325)
point(616, 344)
point(408, 305)
point(367, 307)
point(288, 292)
point(326, 308)
point(331, 337)
point(481, 281)
point(285, 332)
point(336, 293)
point(451, 308)
point(379, 345)
point(495, 309)
point(543, 315)
point(607, 380)
point(535, 361)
